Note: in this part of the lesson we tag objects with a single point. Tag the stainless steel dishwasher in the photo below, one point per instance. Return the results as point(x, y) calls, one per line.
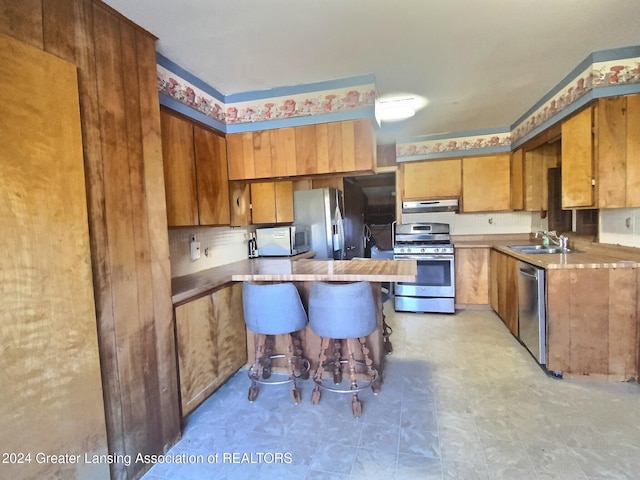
point(532, 310)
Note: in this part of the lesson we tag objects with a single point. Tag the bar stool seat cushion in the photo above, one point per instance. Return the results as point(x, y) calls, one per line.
point(342, 310)
point(273, 309)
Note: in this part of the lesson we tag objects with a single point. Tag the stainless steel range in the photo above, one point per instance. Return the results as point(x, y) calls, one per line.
point(429, 244)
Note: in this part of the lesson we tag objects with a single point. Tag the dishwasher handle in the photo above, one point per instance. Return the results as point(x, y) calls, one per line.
point(528, 275)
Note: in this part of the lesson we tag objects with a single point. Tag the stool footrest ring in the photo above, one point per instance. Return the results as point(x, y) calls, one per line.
point(365, 382)
point(276, 377)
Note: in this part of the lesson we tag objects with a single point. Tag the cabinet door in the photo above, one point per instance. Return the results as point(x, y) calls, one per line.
point(211, 341)
point(263, 204)
point(272, 202)
point(486, 183)
point(240, 162)
point(284, 202)
point(504, 289)
point(431, 179)
point(179, 170)
point(240, 203)
point(633, 151)
point(212, 179)
point(577, 160)
point(283, 152)
point(306, 150)
point(472, 276)
point(611, 152)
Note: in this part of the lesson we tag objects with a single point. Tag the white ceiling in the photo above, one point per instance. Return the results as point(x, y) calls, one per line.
point(480, 63)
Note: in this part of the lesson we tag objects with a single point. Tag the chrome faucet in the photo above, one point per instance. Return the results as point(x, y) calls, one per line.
point(552, 236)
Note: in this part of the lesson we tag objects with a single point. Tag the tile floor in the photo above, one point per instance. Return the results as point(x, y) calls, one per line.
point(461, 400)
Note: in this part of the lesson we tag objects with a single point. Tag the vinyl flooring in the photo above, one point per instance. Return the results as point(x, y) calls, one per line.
point(461, 399)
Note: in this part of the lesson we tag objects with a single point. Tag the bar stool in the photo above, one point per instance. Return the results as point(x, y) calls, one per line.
point(342, 313)
point(385, 295)
point(269, 310)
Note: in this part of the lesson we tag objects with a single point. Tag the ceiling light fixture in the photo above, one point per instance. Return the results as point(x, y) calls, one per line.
point(392, 108)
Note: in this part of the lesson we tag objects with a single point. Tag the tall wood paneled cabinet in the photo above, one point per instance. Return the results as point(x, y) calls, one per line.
point(195, 173)
point(600, 147)
point(115, 62)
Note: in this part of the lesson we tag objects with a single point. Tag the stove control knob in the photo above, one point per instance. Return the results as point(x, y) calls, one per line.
point(422, 250)
point(437, 250)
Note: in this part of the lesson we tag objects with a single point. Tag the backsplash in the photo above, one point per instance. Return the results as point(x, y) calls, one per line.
point(479, 223)
point(618, 227)
point(218, 246)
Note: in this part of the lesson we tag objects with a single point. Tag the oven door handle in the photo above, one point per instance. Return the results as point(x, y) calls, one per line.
point(419, 258)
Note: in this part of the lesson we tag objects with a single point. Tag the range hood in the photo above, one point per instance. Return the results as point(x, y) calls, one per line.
point(428, 206)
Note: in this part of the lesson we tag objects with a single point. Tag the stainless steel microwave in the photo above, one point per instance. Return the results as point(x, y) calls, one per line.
point(283, 241)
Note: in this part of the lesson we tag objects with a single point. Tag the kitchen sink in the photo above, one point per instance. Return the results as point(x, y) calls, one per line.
point(535, 249)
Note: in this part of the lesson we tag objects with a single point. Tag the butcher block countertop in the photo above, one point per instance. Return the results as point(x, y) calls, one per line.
point(192, 286)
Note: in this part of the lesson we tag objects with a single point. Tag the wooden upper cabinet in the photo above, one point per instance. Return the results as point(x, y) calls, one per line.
point(617, 153)
point(195, 173)
point(431, 179)
point(600, 148)
point(211, 176)
point(179, 170)
point(336, 147)
point(272, 202)
point(537, 163)
point(577, 160)
point(486, 183)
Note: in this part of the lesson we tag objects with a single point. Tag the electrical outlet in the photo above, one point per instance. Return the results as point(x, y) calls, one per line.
point(195, 248)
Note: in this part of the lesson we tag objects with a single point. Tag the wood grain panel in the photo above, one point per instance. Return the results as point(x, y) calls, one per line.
point(432, 179)
point(365, 145)
point(472, 276)
point(231, 340)
point(248, 160)
point(212, 346)
point(633, 151)
point(577, 160)
point(558, 320)
point(235, 156)
point(283, 192)
point(589, 319)
point(334, 139)
point(163, 421)
point(517, 180)
point(486, 183)
point(196, 332)
point(179, 170)
point(611, 155)
point(262, 154)
point(322, 148)
point(23, 20)
point(533, 166)
point(50, 362)
point(239, 203)
point(623, 324)
point(263, 202)
point(283, 152)
point(348, 143)
point(212, 181)
point(306, 153)
point(494, 268)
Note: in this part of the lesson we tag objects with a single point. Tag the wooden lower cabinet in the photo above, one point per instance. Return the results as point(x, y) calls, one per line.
point(504, 289)
point(211, 342)
point(592, 324)
point(472, 276)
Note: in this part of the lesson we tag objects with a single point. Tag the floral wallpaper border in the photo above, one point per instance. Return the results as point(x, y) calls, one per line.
point(260, 110)
point(609, 73)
